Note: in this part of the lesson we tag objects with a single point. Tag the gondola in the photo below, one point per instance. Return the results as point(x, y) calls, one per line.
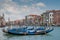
point(28, 30)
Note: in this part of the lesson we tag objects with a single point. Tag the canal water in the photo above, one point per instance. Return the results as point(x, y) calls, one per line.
point(54, 35)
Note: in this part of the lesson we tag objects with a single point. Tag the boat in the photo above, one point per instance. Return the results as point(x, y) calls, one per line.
point(29, 30)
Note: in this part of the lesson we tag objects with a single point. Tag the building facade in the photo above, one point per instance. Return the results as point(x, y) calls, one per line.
point(2, 21)
point(33, 19)
point(53, 17)
point(47, 18)
point(56, 17)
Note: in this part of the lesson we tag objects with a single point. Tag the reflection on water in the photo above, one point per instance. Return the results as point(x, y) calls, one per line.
point(54, 35)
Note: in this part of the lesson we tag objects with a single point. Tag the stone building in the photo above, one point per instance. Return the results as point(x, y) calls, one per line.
point(47, 17)
point(33, 19)
point(2, 21)
point(53, 17)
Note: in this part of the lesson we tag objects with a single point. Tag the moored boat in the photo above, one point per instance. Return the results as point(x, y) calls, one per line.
point(29, 30)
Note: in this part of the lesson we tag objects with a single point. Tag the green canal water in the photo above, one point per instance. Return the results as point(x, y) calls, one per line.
point(54, 35)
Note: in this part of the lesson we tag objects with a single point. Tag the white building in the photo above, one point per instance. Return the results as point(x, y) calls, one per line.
point(50, 17)
point(47, 17)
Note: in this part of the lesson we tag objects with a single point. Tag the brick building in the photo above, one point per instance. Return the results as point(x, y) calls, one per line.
point(56, 17)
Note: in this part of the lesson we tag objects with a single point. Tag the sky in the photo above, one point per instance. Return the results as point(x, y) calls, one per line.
point(18, 9)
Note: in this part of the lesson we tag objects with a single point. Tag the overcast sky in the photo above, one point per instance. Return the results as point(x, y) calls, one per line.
point(18, 9)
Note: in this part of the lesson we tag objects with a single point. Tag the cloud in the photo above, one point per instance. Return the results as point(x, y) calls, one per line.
point(15, 11)
point(41, 4)
point(26, 0)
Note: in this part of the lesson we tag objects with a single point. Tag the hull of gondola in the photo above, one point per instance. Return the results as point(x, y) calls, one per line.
point(27, 32)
